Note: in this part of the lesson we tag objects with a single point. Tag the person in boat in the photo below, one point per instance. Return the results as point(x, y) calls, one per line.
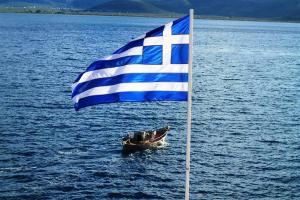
point(152, 135)
point(140, 136)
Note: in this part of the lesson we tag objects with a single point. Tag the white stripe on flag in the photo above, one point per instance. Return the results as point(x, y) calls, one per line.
point(133, 87)
point(176, 39)
point(129, 69)
point(167, 44)
point(135, 51)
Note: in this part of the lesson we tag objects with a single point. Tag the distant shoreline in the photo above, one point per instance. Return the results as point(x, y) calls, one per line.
point(66, 11)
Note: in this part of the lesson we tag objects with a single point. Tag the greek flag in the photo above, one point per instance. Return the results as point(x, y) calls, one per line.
point(153, 67)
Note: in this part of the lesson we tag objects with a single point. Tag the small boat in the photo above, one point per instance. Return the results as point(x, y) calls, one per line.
point(142, 140)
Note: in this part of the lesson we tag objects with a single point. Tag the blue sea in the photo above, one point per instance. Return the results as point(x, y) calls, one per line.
point(246, 113)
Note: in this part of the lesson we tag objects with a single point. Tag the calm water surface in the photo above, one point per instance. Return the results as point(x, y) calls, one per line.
point(246, 113)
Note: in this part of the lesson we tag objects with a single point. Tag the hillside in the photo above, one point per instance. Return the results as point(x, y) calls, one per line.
point(127, 6)
point(79, 4)
point(280, 9)
point(270, 9)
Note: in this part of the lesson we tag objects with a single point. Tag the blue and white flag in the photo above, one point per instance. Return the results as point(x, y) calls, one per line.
point(153, 67)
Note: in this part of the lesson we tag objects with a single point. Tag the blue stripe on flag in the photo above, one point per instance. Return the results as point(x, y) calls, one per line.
point(135, 43)
point(152, 55)
point(181, 26)
point(131, 97)
point(102, 64)
point(183, 51)
point(130, 78)
point(156, 32)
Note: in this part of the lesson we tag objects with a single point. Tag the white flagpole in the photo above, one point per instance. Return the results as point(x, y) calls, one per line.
point(189, 113)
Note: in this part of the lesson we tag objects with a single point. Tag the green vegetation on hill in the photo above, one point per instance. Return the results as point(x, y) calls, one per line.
point(80, 4)
point(263, 9)
point(288, 10)
point(127, 6)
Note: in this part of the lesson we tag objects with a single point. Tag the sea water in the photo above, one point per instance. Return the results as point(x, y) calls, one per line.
point(245, 130)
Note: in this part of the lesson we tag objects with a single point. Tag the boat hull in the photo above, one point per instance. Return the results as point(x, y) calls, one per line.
point(155, 142)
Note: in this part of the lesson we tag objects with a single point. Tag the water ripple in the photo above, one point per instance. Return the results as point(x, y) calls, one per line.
point(245, 133)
